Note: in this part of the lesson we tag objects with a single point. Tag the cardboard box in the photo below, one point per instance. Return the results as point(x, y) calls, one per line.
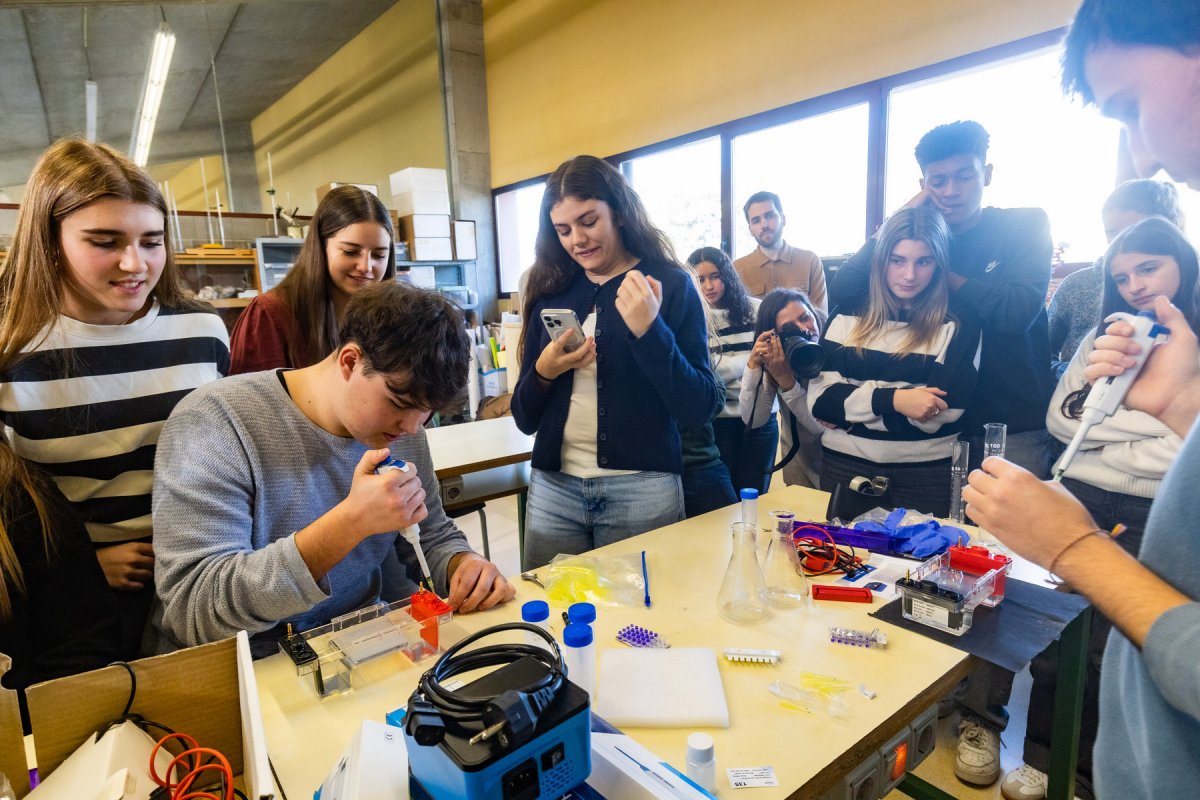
point(324, 188)
point(422, 202)
point(208, 692)
point(419, 179)
point(418, 226)
point(430, 249)
point(464, 239)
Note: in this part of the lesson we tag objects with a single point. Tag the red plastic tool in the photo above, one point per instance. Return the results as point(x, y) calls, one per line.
point(847, 594)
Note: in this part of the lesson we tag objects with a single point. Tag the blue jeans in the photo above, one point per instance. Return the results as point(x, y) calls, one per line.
point(707, 489)
point(749, 454)
point(572, 515)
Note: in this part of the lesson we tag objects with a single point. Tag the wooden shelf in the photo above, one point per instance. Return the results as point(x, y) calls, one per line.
point(229, 302)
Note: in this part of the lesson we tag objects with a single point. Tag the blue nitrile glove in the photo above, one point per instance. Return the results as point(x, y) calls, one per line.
point(930, 538)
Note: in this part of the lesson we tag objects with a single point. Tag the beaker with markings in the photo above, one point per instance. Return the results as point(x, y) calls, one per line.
point(743, 595)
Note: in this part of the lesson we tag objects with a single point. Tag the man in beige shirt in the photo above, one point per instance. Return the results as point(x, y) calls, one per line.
point(775, 264)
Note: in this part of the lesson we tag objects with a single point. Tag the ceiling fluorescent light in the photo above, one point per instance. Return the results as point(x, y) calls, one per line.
point(156, 81)
point(91, 103)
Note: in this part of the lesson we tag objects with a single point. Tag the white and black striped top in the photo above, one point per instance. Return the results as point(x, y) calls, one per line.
point(729, 350)
point(95, 426)
point(854, 392)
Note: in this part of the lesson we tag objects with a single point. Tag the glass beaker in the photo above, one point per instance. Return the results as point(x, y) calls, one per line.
point(994, 434)
point(960, 459)
point(786, 585)
point(743, 595)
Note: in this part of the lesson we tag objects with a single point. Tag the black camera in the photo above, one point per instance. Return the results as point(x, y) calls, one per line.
point(803, 354)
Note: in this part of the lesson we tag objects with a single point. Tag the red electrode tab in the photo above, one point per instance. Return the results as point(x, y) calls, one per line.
point(976, 560)
point(428, 606)
point(848, 594)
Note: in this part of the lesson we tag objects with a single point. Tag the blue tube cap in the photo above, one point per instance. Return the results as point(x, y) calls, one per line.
point(577, 635)
point(749, 494)
point(584, 613)
point(535, 611)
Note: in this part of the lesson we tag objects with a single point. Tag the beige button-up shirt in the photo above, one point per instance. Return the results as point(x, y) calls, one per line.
point(793, 269)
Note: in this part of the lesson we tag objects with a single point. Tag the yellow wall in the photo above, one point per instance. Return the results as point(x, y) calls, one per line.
point(607, 76)
point(373, 108)
point(187, 186)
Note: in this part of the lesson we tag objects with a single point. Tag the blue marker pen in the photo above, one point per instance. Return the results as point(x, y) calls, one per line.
point(411, 534)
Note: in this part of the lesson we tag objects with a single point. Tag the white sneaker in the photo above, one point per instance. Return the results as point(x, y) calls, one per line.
point(1024, 783)
point(978, 758)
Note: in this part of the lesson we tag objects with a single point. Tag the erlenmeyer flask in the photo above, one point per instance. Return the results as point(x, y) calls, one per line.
point(786, 584)
point(743, 595)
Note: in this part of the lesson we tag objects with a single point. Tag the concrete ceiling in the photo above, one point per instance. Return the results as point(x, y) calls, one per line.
point(261, 48)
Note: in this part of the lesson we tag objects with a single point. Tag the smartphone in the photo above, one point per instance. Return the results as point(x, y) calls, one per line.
point(563, 322)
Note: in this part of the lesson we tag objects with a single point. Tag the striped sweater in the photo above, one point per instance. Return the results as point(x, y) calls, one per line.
point(729, 348)
point(89, 402)
point(855, 392)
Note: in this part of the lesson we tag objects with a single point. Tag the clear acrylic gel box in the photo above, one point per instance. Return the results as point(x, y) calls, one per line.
point(944, 591)
point(410, 627)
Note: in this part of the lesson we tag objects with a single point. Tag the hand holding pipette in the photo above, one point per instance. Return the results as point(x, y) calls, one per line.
point(1107, 394)
point(411, 533)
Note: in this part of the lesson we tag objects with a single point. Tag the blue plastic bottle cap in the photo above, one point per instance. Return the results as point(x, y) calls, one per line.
point(584, 613)
point(535, 611)
point(749, 494)
point(577, 635)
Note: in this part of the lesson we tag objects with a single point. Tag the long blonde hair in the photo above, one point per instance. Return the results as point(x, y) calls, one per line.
point(16, 481)
point(71, 174)
point(928, 311)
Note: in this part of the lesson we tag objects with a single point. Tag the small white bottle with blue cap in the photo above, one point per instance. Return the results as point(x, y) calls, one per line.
point(750, 506)
point(536, 612)
point(581, 613)
point(579, 654)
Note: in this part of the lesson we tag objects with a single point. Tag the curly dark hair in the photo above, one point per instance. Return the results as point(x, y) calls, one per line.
point(961, 138)
point(735, 300)
point(416, 338)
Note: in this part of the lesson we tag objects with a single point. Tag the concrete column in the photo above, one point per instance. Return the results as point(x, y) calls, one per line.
point(468, 147)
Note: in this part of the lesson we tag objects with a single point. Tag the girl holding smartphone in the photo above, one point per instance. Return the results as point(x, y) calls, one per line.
point(348, 246)
point(606, 460)
point(97, 345)
point(899, 371)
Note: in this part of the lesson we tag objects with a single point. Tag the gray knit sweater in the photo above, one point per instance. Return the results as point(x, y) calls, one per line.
point(239, 470)
point(1074, 313)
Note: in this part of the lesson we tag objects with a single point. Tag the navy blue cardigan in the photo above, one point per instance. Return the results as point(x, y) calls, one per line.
point(643, 385)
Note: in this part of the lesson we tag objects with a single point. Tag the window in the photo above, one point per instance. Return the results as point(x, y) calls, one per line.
point(818, 167)
point(516, 231)
point(1047, 151)
point(681, 189)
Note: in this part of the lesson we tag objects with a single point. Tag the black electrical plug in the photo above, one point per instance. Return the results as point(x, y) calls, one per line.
point(424, 723)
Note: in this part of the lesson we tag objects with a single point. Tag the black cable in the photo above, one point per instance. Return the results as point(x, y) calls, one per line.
point(461, 710)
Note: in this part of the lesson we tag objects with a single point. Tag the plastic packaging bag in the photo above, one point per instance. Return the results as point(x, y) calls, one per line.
point(608, 581)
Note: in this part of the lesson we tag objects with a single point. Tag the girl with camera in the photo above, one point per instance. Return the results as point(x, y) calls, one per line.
point(785, 316)
point(899, 371)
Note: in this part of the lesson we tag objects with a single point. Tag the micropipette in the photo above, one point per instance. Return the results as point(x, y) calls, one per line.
point(1107, 395)
point(412, 533)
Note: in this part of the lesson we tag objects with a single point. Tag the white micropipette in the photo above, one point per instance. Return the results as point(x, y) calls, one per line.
point(1106, 396)
point(412, 533)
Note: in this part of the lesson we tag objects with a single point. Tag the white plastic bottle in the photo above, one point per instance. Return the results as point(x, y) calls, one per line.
point(536, 612)
point(750, 506)
point(579, 653)
point(702, 762)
